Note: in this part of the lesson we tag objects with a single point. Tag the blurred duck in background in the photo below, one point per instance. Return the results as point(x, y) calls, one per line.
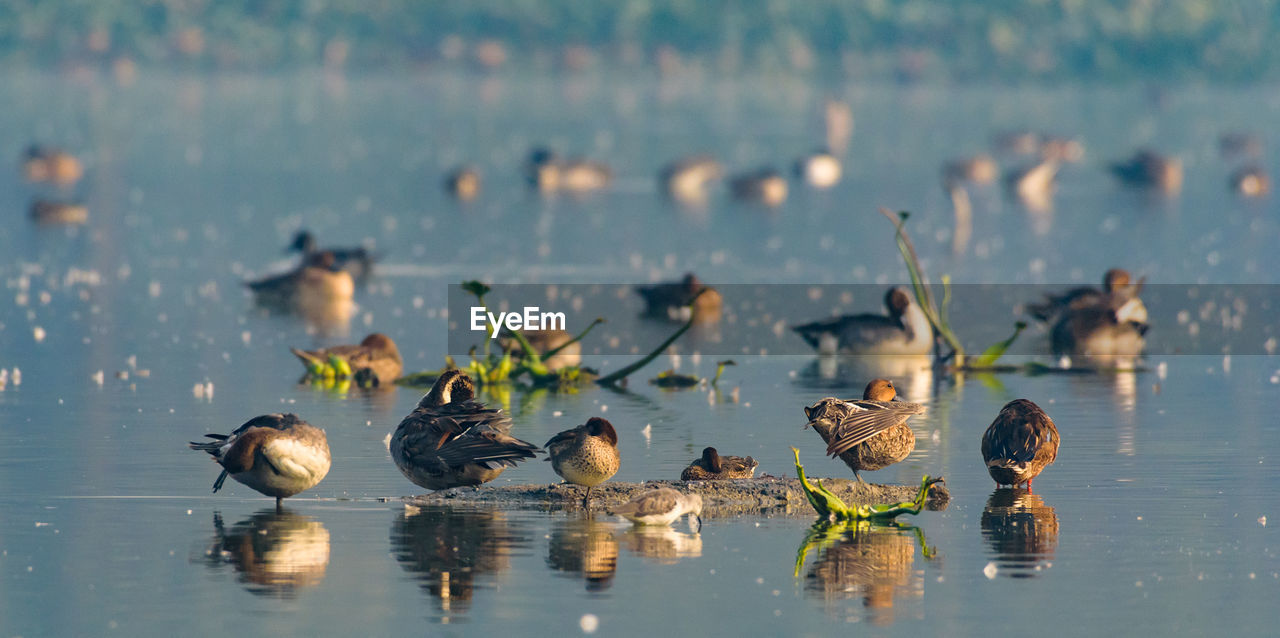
point(463, 183)
point(686, 180)
point(1148, 169)
point(45, 164)
point(673, 300)
point(763, 186)
point(547, 173)
point(904, 331)
point(357, 261)
point(819, 169)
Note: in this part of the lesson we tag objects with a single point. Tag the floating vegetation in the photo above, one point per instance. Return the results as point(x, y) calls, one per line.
point(670, 379)
point(830, 507)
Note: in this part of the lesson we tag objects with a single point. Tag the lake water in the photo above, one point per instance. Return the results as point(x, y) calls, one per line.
point(1154, 515)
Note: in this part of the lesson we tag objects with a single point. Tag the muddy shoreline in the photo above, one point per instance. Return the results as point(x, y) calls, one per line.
point(764, 495)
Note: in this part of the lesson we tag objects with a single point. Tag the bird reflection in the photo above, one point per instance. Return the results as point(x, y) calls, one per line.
point(451, 551)
point(275, 552)
point(862, 559)
point(1022, 531)
point(662, 544)
point(585, 547)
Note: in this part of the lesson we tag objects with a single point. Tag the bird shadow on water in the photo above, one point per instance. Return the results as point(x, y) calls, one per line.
point(1022, 532)
point(275, 552)
point(868, 560)
point(453, 552)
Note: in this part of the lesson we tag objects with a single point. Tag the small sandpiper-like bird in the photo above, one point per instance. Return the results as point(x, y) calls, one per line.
point(376, 359)
point(660, 506)
point(711, 466)
point(1020, 443)
point(586, 455)
point(451, 440)
point(276, 454)
point(867, 434)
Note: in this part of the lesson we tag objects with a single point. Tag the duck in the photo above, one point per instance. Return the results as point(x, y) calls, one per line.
point(375, 361)
point(660, 506)
point(819, 169)
point(1114, 281)
point(1110, 333)
point(763, 186)
point(1019, 444)
point(1149, 169)
point(463, 183)
point(317, 283)
point(1251, 181)
point(1034, 185)
point(357, 261)
point(868, 434)
point(686, 179)
point(713, 467)
point(586, 455)
point(1061, 149)
point(904, 331)
point(44, 164)
point(545, 341)
point(44, 211)
point(546, 172)
point(672, 300)
point(980, 169)
point(276, 454)
point(452, 440)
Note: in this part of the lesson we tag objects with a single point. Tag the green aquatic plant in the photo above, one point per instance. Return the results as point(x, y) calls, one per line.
point(830, 507)
point(670, 379)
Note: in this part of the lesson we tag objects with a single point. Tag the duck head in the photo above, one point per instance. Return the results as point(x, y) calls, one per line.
point(1115, 279)
point(303, 242)
point(897, 301)
point(601, 428)
point(453, 386)
point(711, 459)
point(880, 390)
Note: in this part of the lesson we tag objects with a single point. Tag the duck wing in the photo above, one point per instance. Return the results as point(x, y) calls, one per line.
point(866, 419)
point(1014, 440)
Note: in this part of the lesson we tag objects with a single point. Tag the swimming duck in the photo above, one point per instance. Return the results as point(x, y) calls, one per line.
point(712, 467)
point(463, 183)
point(672, 300)
point(276, 454)
point(50, 212)
point(686, 180)
point(586, 455)
point(548, 173)
point(869, 434)
point(905, 330)
point(317, 283)
point(1149, 169)
point(1110, 333)
point(1114, 281)
point(660, 506)
point(764, 186)
point(980, 169)
point(357, 261)
point(375, 361)
point(1251, 181)
point(451, 440)
point(1020, 443)
point(545, 341)
point(41, 164)
point(819, 169)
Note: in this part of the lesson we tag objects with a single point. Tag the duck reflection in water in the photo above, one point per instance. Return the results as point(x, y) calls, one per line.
point(873, 561)
point(584, 547)
point(275, 552)
point(1022, 532)
point(450, 551)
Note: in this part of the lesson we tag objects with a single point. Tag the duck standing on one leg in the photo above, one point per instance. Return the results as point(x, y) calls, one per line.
point(586, 455)
point(1020, 443)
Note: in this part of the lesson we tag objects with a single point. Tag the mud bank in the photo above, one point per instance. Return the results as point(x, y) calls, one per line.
point(765, 495)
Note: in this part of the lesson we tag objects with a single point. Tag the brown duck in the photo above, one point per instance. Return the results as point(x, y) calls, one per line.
point(276, 454)
point(712, 467)
point(673, 299)
point(451, 440)
point(1019, 444)
point(869, 434)
point(376, 359)
point(586, 455)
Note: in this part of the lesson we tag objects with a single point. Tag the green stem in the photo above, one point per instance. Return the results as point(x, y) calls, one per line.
point(611, 379)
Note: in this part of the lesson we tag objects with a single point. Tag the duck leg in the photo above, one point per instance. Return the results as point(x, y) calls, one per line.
point(586, 497)
point(279, 505)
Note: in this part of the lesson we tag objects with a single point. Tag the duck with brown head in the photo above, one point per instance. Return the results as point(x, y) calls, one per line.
point(905, 330)
point(375, 360)
point(276, 454)
point(586, 455)
point(711, 467)
point(452, 440)
point(867, 434)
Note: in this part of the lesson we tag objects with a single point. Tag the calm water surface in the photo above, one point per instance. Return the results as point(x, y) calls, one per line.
point(1152, 516)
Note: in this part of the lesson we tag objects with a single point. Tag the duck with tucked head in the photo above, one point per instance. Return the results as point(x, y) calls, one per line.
point(1019, 444)
point(673, 300)
point(1148, 169)
point(1112, 333)
point(906, 330)
point(276, 454)
point(452, 440)
point(713, 467)
point(868, 434)
point(586, 455)
point(660, 506)
point(357, 261)
point(376, 360)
